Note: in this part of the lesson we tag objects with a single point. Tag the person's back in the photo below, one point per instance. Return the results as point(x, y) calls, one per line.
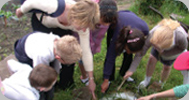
point(37, 46)
point(25, 83)
point(17, 86)
point(127, 17)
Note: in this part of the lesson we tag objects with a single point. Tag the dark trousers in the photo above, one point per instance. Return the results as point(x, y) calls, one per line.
point(47, 95)
point(127, 60)
point(19, 50)
point(66, 76)
point(66, 73)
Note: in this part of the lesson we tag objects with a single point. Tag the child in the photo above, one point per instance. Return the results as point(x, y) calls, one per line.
point(49, 49)
point(38, 47)
point(125, 18)
point(25, 82)
point(181, 63)
point(169, 40)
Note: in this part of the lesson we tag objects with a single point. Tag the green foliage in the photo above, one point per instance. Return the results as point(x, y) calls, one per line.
point(144, 4)
point(180, 5)
point(15, 6)
point(6, 13)
point(168, 5)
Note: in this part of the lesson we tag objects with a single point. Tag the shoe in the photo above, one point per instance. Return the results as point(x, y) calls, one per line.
point(85, 81)
point(156, 86)
point(143, 84)
point(130, 79)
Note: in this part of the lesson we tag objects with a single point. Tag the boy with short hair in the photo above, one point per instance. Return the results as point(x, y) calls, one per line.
point(25, 82)
point(37, 47)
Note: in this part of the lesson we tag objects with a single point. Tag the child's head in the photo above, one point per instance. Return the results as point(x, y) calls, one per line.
point(130, 39)
point(84, 14)
point(108, 11)
point(163, 36)
point(67, 49)
point(43, 77)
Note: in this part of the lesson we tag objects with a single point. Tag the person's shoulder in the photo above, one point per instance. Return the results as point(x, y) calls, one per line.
point(180, 33)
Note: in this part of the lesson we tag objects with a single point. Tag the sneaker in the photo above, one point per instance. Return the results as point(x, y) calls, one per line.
point(143, 84)
point(85, 81)
point(130, 79)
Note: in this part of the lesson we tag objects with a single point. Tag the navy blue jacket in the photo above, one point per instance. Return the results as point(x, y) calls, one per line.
point(125, 18)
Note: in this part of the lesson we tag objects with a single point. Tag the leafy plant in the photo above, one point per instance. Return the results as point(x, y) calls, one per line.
point(6, 13)
point(15, 6)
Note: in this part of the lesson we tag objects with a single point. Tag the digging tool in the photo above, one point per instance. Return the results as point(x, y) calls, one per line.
point(121, 84)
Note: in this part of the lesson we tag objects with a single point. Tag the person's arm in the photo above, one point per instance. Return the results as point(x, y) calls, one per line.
point(87, 58)
point(110, 59)
point(109, 63)
point(138, 56)
point(48, 6)
point(15, 66)
point(53, 8)
point(181, 91)
point(164, 94)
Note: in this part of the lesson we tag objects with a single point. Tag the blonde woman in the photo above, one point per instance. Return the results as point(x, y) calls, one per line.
point(76, 16)
point(168, 40)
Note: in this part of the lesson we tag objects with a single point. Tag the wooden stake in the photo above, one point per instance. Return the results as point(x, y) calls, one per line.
point(121, 84)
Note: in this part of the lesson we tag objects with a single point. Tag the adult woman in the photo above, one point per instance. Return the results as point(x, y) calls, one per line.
point(125, 18)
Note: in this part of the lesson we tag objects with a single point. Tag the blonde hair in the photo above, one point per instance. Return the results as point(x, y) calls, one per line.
point(163, 36)
point(68, 49)
point(85, 13)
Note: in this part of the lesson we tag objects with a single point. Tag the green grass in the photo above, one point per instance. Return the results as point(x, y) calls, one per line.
point(174, 79)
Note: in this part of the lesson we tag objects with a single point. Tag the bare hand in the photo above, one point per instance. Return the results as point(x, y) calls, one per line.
point(19, 13)
point(128, 74)
point(92, 87)
point(145, 98)
point(104, 85)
